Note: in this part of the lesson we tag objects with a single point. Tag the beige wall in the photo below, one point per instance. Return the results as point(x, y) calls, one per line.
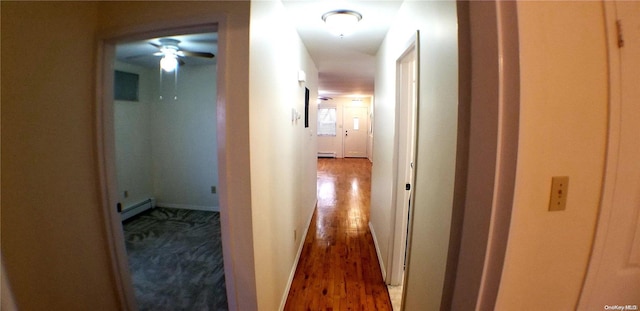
point(55, 251)
point(563, 78)
point(283, 152)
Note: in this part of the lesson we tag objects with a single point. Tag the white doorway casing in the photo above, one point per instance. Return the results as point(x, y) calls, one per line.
point(404, 157)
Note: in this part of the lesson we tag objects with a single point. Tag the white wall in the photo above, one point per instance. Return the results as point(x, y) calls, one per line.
point(184, 156)
point(283, 152)
point(563, 130)
point(437, 134)
point(167, 149)
point(132, 124)
point(335, 143)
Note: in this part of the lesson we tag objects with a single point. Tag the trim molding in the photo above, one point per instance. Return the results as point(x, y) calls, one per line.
point(485, 219)
point(405, 143)
point(506, 154)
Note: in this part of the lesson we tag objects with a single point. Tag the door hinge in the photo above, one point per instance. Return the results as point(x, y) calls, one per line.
point(620, 35)
point(407, 187)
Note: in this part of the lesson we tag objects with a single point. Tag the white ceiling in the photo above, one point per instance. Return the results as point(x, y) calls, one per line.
point(346, 65)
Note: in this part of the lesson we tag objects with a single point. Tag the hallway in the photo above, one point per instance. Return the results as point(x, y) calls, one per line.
point(338, 267)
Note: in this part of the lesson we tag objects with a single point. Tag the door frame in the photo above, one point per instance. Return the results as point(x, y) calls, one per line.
point(406, 122)
point(610, 191)
point(105, 143)
point(487, 160)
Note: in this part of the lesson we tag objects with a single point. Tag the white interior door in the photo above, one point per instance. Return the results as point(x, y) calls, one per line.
point(355, 126)
point(613, 278)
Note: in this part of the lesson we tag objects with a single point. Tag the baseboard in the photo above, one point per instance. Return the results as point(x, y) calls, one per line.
point(375, 243)
point(326, 154)
point(191, 207)
point(137, 208)
point(283, 301)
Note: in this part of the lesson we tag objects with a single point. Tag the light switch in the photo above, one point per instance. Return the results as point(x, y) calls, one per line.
point(302, 77)
point(559, 191)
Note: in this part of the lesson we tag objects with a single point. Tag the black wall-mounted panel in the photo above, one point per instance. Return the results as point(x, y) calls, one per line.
point(306, 107)
point(125, 86)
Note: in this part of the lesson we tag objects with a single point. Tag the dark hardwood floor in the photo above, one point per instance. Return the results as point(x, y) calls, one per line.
point(338, 267)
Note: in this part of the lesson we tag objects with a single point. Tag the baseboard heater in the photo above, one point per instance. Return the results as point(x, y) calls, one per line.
point(137, 208)
point(326, 154)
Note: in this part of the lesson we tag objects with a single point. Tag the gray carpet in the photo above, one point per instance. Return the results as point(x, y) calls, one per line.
point(175, 257)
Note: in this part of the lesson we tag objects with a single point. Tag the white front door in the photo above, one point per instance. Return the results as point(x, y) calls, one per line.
point(355, 123)
point(613, 277)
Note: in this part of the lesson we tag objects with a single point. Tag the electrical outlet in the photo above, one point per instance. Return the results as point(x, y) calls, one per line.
point(126, 194)
point(213, 189)
point(559, 191)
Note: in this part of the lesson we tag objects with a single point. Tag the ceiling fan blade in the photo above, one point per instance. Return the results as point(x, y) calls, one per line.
point(197, 54)
point(139, 56)
point(181, 62)
point(155, 45)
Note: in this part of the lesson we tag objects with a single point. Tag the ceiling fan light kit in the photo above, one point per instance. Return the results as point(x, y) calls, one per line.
point(341, 22)
point(169, 63)
point(171, 54)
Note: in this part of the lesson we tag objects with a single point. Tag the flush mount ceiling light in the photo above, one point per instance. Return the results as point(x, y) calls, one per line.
point(341, 22)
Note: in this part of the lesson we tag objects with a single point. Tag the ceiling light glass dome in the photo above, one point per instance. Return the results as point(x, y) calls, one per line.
point(341, 22)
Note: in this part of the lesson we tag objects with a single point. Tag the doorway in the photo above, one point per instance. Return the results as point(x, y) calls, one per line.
point(345, 127)
point(165, 129)
point(404, 155)
point(159, 150)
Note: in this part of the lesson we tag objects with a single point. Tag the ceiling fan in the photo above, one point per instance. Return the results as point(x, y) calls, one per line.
point(172, 54)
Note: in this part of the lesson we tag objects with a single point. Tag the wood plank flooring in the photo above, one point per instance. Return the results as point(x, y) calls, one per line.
point(338, 268)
